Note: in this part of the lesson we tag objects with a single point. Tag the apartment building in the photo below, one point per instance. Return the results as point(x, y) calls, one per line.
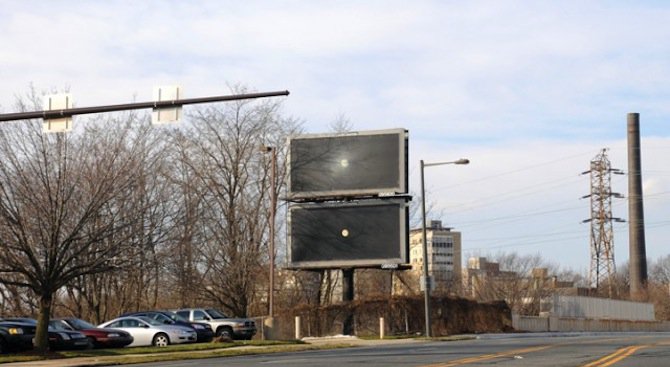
point(444, 255)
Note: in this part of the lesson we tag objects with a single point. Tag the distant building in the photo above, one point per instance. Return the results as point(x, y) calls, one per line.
point(482, 274)
point(444, 259)
point(525, 292)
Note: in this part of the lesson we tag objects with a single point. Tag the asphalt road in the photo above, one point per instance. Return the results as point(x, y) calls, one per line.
point(590, 350)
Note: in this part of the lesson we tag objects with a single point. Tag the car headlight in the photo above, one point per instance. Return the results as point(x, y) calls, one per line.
point(64, 336)
point(198, 327)
point(15, 331)
point(184, 332)
point(113, 335)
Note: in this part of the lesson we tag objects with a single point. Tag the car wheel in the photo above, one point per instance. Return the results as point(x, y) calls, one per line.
point(160, 340)
point(225, 332)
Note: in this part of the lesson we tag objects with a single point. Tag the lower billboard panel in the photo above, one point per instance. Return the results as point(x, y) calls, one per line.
point(359, 233)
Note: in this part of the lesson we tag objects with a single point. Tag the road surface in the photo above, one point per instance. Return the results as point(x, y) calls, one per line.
point(551, 350)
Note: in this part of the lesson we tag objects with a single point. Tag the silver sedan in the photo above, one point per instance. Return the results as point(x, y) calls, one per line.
point(146, 331)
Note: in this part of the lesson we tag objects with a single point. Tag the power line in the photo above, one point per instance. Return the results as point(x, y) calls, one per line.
point(506, 173)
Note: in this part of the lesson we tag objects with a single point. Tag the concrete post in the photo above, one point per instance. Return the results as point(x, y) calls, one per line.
point(381, 328)
point(269, 328)
point(298, 334)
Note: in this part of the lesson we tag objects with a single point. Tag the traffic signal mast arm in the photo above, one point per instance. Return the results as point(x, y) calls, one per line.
point(53, 114)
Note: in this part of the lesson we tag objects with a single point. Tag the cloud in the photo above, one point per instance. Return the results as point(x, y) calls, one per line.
point(508, 84)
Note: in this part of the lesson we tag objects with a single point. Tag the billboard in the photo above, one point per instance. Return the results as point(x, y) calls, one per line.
point(372, 232)
point(351, 164)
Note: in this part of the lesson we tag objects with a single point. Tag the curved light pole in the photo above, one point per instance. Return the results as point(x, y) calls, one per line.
point(426, 278)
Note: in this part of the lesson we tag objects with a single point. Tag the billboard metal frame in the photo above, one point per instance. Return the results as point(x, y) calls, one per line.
point(400, 189)
point(399, 262)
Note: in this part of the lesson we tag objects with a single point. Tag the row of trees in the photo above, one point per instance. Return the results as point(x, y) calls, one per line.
point(119, 215)
point(523, 286)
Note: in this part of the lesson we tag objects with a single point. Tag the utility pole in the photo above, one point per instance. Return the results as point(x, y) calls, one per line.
point(602, 238)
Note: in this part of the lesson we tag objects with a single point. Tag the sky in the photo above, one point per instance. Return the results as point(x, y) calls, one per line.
point(529, 91)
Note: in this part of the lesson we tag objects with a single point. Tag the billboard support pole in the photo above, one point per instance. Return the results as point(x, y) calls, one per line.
point(348, 296)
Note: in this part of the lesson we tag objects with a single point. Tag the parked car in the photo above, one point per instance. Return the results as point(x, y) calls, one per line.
point(146, 331)
point(59, 338)
point(204, 331)
point(97, 337)
point(234, 328)
point(16, 336)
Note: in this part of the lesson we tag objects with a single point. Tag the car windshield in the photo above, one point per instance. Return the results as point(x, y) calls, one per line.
point(162, 318)
point(175, 317)
point(58, 325)
point(216, 314)
point(150, 321)
point(78, 324)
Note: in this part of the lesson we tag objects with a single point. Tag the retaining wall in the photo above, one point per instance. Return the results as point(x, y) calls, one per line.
point(562, 324)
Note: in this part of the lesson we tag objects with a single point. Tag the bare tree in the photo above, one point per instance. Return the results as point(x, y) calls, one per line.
point(511, 279)
point(341, 124)
point(659, 287)
point(63, 206)
point(224, 155)
point(141, 279)
point(189, 229)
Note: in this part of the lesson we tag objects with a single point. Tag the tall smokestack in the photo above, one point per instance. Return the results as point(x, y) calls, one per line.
point(638, 253)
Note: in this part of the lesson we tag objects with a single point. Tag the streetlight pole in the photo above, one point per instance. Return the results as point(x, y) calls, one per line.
point(426, 278)
point(273, 210)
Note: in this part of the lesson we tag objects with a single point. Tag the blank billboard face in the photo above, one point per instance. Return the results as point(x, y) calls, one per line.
point(365, 233)
point(363, 163)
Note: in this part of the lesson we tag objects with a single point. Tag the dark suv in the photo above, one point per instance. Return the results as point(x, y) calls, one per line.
point(16, 336)
point(59, 338)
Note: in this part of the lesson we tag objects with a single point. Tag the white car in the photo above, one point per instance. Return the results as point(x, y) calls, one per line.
point(146, 331)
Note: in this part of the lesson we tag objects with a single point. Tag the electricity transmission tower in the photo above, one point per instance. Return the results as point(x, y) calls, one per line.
point(602, 239)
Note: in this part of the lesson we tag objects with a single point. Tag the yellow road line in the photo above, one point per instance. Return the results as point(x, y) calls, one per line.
point(615, 357)
point(620, 354)
point(486, 357)
point(628, 353)
point(605, 361)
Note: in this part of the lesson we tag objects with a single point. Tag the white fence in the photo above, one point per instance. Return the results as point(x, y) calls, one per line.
point(553, 323)
point(600, 308)
point(575, 313)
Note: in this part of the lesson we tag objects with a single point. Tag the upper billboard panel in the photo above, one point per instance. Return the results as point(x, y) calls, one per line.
point(350, 164)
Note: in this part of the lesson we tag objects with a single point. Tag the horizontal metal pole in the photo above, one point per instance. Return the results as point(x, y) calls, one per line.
point(460, 161)
point(133, 106)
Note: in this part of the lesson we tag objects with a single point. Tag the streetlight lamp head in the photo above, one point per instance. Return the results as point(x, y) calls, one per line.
point(462, 161)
